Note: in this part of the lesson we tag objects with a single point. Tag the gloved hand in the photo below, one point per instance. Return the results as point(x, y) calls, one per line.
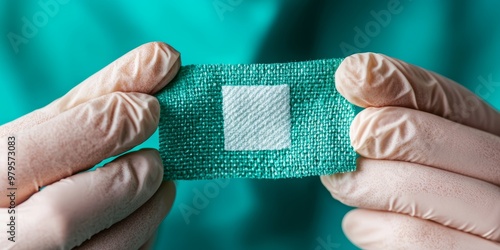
point(429, 169)
point(121, 204)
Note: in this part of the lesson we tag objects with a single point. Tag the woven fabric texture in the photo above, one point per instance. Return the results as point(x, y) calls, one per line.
point(256, 117)
point(278, 120)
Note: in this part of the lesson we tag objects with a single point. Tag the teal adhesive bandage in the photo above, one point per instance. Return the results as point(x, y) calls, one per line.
point(255, 121)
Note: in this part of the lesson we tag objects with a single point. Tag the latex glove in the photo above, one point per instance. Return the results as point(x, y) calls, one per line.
point(429, 172)
point(120, 205)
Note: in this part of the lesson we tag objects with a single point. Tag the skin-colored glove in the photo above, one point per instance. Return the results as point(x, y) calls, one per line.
point(429, 169)
point(121, 204)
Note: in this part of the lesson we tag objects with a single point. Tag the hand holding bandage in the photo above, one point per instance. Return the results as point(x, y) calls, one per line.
point(119, 205)
point(429, 172)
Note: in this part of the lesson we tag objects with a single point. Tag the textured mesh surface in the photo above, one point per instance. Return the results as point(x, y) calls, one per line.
point(192, 123)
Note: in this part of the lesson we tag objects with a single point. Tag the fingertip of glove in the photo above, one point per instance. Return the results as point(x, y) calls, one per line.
point(166, 62)
point(351, 224)
point(124, 118)
point(379, 132)
point(352, 76)
point(154, 108)
point(349, 221)
point(168, 193)
point(156, 163)
point(367, 80)
point(362, 127)
point(146, 104)
point(326, 180)
point(143, 108)
point(364, 229)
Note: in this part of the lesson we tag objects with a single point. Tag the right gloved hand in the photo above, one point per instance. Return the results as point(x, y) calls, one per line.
point(429, 172)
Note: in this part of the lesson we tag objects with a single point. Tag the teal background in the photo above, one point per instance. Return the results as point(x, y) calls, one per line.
point(458, 39)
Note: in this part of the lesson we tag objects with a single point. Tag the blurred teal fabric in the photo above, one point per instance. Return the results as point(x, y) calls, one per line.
point(458, 39)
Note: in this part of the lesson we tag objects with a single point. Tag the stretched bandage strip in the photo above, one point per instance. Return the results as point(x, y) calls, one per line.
point(255, 121)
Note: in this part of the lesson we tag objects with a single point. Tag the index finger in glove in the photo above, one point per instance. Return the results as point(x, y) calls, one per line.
point(146, 69)
point(375, 80)
point(78, 139)
point(402, 134)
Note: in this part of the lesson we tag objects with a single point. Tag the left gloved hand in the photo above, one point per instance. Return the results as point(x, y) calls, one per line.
point(118, 206)
point(429, 172)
